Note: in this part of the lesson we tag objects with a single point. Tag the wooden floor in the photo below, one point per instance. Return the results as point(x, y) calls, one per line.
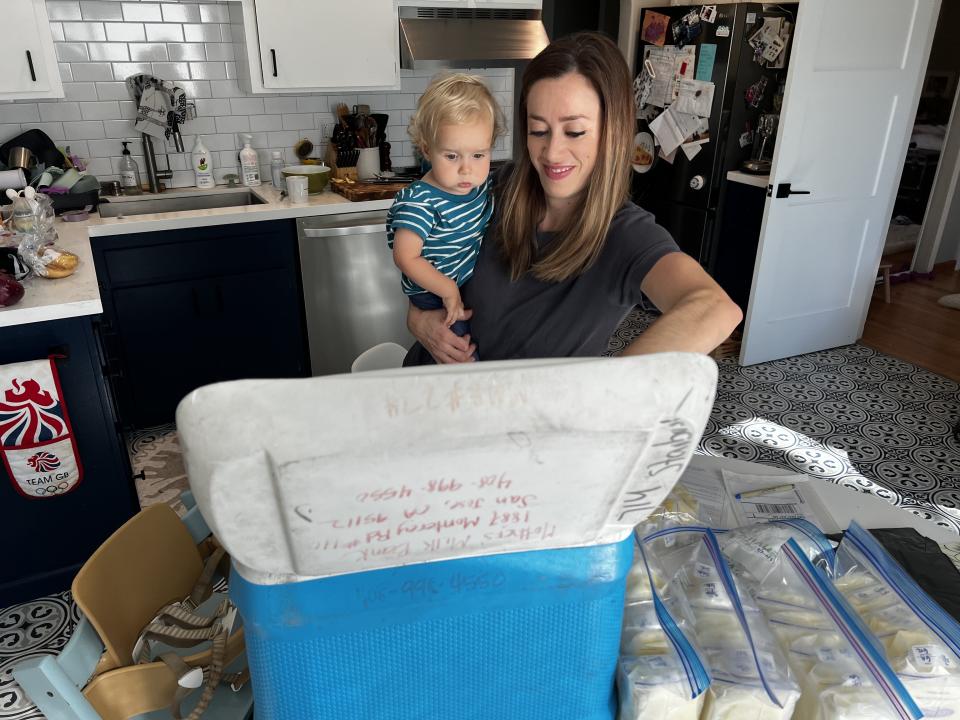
point(913, 327)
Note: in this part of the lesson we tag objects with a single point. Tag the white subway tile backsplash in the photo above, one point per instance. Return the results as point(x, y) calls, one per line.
point(196, 88)
point(298, 121)
point(171, 71)
point(312, 103)
point(163, 32)
point(401, 101)
point(118, 128)
point(246, 106)
point(124, 32)
point(112, 91)
point(83, 31)
point(232, 123)
point(214, 14)
point(279, 105)
point(218, 106)
point(19, 112)
point(180, 13)
point(121, 71)
point(92, 71)
point(201, 33)
point(225, 88)
point(84, 130)
point(141, 12)
point(104, 110)
point(53, 129)
point(80, 91)
point(104, 148)
point(66, 72)
point(56, 29)
point(108, 51)
point(62, 110)
point(128, 109)
point(147, 51)
point(220, 142)
point(72, 52)
point(100, 166)
point(202, 126)
point(219, 51)
point(186, 51)
point(266, 122)
point(63, 10)
point(208, 71)
point(100, 10)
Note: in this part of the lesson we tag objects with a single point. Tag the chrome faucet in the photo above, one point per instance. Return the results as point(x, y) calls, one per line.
point(154, 176)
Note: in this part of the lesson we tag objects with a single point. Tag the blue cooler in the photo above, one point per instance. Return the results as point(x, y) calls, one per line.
point(502, 637)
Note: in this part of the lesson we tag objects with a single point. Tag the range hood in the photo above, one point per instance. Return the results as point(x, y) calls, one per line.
point(432, 38)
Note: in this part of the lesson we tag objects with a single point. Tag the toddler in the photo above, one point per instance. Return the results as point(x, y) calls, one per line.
point(436, 224)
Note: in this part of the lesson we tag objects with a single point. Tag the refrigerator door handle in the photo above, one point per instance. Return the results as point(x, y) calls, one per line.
point(784, 190)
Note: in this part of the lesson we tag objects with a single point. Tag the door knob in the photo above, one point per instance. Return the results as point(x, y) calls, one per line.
point(784, 190)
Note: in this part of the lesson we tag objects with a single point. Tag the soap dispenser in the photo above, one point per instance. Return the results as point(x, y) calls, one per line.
point(202, 164)
point(129, 172)
point(249, 163)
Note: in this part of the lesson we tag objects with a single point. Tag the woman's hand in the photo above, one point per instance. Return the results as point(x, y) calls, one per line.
point(428, 326)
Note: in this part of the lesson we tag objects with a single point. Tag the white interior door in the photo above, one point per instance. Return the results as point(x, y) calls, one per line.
point(852, 92)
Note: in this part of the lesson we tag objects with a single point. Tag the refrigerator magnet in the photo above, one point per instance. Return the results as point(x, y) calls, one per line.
point(723, 31)
point(708, 13)
point(644, 152)
point(655, 27)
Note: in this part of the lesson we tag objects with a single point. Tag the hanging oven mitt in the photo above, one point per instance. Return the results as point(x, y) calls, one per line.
point(152, 113)
point(36, 441)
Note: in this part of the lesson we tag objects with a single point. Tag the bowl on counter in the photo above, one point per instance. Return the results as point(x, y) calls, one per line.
point(317, 176)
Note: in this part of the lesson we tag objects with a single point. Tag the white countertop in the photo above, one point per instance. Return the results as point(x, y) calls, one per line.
point(760, 181)
point(79, 294)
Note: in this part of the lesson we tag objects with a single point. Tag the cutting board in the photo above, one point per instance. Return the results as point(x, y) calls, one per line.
point(368, 191)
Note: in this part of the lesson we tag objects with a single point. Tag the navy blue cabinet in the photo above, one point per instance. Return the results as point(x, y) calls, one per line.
point(190, 307)
point(46, 540)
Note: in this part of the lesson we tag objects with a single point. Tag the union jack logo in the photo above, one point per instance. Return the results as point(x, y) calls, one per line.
point(29, 414)
point(44, 462)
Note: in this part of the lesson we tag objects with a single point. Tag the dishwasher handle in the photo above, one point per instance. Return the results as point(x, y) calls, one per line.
point(341, 231)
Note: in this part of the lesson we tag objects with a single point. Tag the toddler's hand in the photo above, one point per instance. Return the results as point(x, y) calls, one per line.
point(454, 307)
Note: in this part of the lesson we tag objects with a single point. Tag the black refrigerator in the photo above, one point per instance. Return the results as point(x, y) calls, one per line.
point(685, 196)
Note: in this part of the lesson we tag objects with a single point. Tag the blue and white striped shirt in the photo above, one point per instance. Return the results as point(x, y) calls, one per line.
point(451, 226)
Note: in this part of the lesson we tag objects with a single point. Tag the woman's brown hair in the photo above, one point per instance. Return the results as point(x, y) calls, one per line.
point(580, 239)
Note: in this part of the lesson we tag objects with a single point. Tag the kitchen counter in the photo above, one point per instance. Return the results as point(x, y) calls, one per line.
point(760, 181)
point(79, 294)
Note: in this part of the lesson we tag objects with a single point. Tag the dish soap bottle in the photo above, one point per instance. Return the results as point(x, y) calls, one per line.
point(249, 164)
point(202, 164)
point(276, 170)
point(129, 172)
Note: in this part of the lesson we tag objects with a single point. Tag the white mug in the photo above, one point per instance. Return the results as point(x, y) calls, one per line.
point(297, 188)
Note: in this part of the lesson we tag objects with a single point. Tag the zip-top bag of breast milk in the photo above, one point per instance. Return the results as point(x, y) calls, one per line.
point(751, 676)
point(754, 549)
point(661, 673)
point(840, 663)
point(921, 640)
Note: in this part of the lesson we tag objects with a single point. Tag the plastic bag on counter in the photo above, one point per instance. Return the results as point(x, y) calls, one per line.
point(661, 673)
point(842, 670)
point(37, 237)
point(921, 640)
point(751, 676)
point(679, 508)
point(754, 548)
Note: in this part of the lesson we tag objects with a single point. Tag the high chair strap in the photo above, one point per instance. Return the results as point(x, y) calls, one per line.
point(211, 677)
point(218, 560)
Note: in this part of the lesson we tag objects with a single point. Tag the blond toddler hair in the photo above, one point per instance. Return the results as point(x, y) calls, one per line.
point(455, 99)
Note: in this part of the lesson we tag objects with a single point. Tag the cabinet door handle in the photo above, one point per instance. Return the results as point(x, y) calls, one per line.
point(273, 54)
point(33, 73)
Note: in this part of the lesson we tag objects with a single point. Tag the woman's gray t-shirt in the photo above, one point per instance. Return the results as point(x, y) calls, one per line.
point(531, 318)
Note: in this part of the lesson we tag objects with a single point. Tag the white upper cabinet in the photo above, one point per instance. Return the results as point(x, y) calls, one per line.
point(27, 58)
point(319, 45)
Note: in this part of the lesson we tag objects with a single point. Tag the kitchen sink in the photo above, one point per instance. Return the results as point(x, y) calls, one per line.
point(126, 208)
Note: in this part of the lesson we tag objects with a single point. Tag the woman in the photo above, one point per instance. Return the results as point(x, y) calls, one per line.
point(568, 255)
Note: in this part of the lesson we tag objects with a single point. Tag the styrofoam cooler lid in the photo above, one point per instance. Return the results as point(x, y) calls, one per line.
point(329, 475)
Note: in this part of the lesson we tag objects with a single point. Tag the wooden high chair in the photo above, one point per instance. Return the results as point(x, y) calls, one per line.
point(152, 560)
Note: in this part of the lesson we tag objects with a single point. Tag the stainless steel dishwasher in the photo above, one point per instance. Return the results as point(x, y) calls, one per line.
point(351, 288)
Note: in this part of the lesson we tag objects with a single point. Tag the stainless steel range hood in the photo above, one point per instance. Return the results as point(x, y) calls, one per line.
point(462, 38)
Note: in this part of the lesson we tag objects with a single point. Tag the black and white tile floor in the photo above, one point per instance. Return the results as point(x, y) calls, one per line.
point(850, 415)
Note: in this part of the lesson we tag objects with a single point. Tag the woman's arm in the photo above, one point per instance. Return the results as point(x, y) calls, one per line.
point(697, 314)
point(428, 326)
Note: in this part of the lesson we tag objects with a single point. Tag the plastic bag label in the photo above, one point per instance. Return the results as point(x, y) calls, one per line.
point(928, 657)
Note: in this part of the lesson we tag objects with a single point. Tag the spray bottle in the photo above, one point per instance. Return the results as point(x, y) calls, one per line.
point(249, 163)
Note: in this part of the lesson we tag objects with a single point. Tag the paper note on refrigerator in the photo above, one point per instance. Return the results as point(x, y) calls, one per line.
point(684, 66)
point(673, 128)
point(695, 98)
point(661, 61)
point(708, 57)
